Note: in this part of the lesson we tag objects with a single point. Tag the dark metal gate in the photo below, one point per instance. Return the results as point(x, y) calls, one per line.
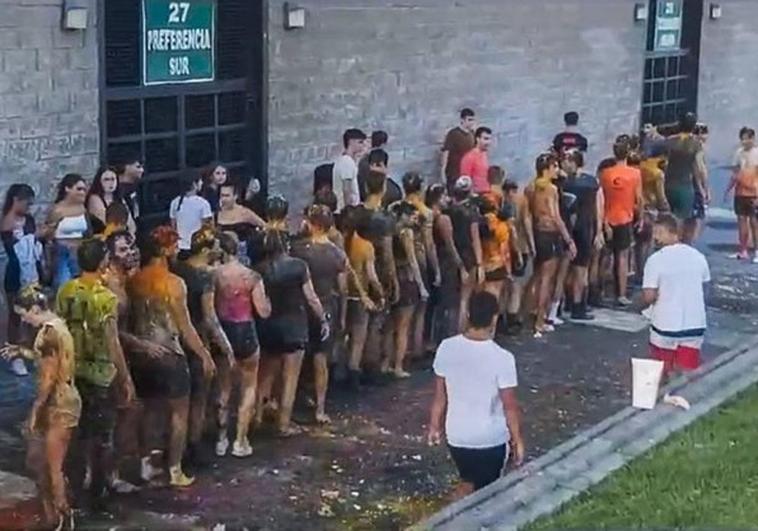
point(176, 126)
point(670, 85)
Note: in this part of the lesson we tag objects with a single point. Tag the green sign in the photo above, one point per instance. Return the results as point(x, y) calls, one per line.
point(178, 41)
point(668, 25)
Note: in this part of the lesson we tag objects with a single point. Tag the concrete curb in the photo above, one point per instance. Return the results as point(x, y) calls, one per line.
point(543, 485)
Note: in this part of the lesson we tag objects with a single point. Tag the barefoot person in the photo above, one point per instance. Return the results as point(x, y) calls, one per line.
point(744, 182)
point(551, 237)
point(239, 296)
point(673, 285)
point(284, 335)
point(91, 314)
point(159, 315)
point(57, 406)
point(412, 288)
point(197, 274)
point(328, 266)
point(475, 394)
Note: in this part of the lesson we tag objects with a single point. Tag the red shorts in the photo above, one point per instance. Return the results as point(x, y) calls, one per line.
point(683, 358)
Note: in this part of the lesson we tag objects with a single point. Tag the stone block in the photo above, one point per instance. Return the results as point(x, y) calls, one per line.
point(54, 102)
point(19, 61)
point(602, 468)
point(19, 105)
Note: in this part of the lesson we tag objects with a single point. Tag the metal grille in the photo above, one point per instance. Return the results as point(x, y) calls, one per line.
point(173, 127)
point(669, 88)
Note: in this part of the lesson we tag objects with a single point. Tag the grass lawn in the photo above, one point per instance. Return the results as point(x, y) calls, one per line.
point(705, 476)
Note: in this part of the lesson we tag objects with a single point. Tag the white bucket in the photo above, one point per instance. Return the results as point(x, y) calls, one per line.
point(646, 378)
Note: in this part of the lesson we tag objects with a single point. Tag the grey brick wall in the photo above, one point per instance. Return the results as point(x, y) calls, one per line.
point(48, 96)
point(408, 67)
point(728, 97)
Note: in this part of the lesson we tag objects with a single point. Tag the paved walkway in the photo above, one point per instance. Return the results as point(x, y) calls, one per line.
point(543, 485)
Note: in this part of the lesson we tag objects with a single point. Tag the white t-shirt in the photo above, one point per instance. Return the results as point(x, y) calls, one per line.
point(345, 178)
point(678, 273)
point(474, 373)
point(189, 217)
point(746, 158)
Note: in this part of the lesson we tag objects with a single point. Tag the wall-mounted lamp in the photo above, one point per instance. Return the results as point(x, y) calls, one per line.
point(640, 12)
point(715, 11)
point(75, 14)
point(294, 16)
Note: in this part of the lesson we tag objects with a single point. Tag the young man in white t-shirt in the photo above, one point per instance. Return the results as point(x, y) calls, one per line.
point(475, 390)
point(673, 286)
point(345, 171)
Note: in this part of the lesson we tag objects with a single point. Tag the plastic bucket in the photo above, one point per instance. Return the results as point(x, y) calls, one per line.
point(646, 379)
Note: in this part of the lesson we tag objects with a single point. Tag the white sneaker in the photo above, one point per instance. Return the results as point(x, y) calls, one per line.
point(147, 471)
point(557, 321)
point(119, 486)
point(222, 445)
point(18, 367)
point(242, 450)
point(755, 258)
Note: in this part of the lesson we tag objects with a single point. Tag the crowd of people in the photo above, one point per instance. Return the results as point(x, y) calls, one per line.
point(377, 276)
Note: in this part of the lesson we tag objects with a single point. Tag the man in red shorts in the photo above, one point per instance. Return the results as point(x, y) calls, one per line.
point(673, 286)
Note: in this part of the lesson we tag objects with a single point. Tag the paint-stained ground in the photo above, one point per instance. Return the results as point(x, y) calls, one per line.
point(371, 469)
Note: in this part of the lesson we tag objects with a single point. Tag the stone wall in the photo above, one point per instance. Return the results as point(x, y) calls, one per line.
point(48, 96)
point(728, 97)
point(408, 67)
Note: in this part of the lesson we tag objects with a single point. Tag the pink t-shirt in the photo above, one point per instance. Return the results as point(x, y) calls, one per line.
point(476, 165)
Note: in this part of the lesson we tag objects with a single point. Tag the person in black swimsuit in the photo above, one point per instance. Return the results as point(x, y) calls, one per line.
point(276, 209)
point(328, 267)
point(198, 276)
point(284, 335)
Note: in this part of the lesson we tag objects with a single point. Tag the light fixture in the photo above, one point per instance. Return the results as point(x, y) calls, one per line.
point(75, 14)
point(715, 11)
point(294, 16)
point(640, 12)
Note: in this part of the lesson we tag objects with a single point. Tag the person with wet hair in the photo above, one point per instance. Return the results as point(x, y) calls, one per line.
point(412, 288)
point(523, 248)
point(496, 252)
point(159, 315)
point(198, 273)
point(587, 230)
point(426, 256)
point(685, 173)
point(328, 265)
point(365, 294)
point(622, 189)
point(240, 296)
point(57, 406)
point(551, 237)
point(90, 311)
point(284, 335)
point(234, 217)
point(465, 219)
point(276, 211)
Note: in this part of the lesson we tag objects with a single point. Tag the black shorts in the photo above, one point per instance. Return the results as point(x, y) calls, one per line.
point(283, 334)
point(243, 338)
point(584, 239)
point(520, 272)
point(549, 245)
point(167, 377)
point(315, 342)
point(622, 237)
point(98, 419)
point(496, 275)
point(645, 233)
point(409, 293)
point(745, 206)
point(479, 466)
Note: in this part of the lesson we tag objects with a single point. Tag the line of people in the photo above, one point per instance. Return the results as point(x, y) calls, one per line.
point(378, 275)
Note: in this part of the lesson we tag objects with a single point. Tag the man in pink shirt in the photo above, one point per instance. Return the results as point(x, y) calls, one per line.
point(475, 163)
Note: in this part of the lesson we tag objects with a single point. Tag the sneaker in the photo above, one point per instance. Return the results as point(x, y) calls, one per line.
point(18, 367)
point(623, 301)
point(742, 255)
point(580, 314)
point(548, 328)
point(179, 479)
point(119, 486)
point(557, 321)
point(755, 258)
point(242, 449)
point(147, 471)
point(222, 445)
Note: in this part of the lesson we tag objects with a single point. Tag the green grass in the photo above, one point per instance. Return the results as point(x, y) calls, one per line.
point(705, 476)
